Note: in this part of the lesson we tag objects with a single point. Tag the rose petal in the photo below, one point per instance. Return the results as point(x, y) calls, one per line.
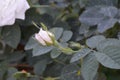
point(44, 35)
point(21, 8)
point(39, 39)
point(12, 9)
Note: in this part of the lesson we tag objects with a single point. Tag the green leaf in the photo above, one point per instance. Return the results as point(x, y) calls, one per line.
point(82, 53)
point(91, 3)
point(83, 29)
point(3, 70)
point(89, 67)
point(31, 44)
point(40, 50)
point(106, 24)
point(93, 41)
point(91, 16)
point(11, 71)
point(61, 24)
point(15, 56)
point(57, 32)
point(39, 67)
point(49, 10)
point(11, 78)
point(11, 35)
point(34, 78)
point(66, 36)
point(55, 53)
point(109, 11)
point(109, 57)
point(107, 42)
point(70, 72)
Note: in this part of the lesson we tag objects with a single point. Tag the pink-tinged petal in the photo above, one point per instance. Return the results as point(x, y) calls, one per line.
point(21, 8)
point(44, 35)
point(39, 39)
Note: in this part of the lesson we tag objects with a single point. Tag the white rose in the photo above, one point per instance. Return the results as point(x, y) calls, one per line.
point(44, 37)
point(12, 9)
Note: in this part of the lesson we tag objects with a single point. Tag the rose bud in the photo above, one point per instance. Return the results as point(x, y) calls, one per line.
point(45, 37)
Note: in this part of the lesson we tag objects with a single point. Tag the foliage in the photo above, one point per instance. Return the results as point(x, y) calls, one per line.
point(88, 30)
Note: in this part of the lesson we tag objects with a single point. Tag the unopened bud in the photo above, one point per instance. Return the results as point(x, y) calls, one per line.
point(45, 37)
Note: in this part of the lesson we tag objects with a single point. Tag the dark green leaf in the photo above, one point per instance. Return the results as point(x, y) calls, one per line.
point(39, 67)
point(91, 16)
point(66, 36)
point(82, 53)
point(106, 24)
point(31, 44)
point(40, 50)
point(57, 32)
point(109, 57)
point(89, 67)
point(55, 53)
point(93, 41)
point(91, 3)
point(11, 35)
point(70, 71)
point(108, 42)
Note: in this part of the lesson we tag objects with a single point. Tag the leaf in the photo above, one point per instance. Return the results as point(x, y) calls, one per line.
point(82, 3)
point(55, 53)
point(93, 41)
point(40, 50)
point(11, 78)
point(106, 24)
point(11, 71)
point(69, 72)
point(3, 70)
point(31, 44)
point(91, 3)
point(34, 78)
point(109, 11)
point(82, 53)
point(89, 67)
point(16, 56)
point(107, 42)
point(39, 67)
point(83, 29)
point(118, 15)
point(48, 10)
point(109, 57)
point(66, 36)
point(92, 31)
point(54, 70)
point(91, 16)
point(57, 32)
point(61, 24)
point(11, 35)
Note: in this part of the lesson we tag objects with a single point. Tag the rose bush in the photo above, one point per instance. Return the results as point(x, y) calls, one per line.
point(12, 9)
point(80, 40)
